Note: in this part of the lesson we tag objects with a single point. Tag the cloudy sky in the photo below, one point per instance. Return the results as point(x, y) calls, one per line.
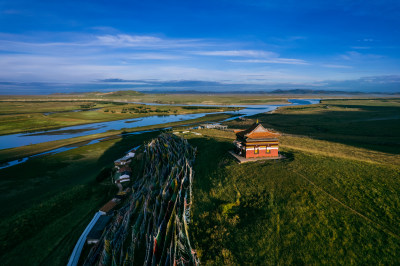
point(56, 46)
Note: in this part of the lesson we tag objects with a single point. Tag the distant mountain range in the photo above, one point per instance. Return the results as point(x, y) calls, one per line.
point(129, 92)
point(379, 85)
point(278, 91)
point(106, 94)
point(307, 91)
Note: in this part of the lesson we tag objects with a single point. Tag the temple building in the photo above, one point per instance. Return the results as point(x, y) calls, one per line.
point(256, 142)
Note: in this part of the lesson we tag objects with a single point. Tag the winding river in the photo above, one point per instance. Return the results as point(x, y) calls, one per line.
point(23, 139)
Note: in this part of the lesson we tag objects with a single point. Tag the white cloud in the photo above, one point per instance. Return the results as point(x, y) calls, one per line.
point(288, 61)
point(153, 56)
point(34, 68)
point(79, 42)
point(265, 57)
point(127, 40)
point(84, 58)
point(336, 66)
point(240, 53)
point(354, 55)
point(146, 41)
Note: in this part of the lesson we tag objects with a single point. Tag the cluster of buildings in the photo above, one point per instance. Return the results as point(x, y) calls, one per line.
point(102, 218)
point(125, 160)
point(122, 174)
point(123, 171)
point(212, 126)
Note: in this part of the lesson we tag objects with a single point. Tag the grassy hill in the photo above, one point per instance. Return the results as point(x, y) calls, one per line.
point(307, 209)
point(334, 200)
point(29, 116)
point(124, 93)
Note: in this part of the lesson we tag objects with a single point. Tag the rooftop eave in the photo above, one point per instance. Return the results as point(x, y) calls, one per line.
point(264, 139)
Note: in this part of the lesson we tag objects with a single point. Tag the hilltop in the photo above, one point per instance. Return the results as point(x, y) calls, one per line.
point(122, 93)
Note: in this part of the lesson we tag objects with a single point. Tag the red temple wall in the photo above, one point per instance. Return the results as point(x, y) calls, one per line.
point(262, 153)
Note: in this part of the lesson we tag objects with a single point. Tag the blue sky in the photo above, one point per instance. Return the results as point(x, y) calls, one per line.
point(55, 46)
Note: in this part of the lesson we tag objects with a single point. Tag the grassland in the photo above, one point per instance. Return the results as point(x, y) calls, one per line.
point(47, 202)
point(334, 200)
point(23, 151)
point(31, 107)
point(54, 197)
point(133, 96)
point(27, 116)
point(311, 208)
point(373, 124)
point(205, 99)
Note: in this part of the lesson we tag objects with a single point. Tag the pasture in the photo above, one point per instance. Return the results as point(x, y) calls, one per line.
point(334, 200)
point(310, 208)
point(28, 115)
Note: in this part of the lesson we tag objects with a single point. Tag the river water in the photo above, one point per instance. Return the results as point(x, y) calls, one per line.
point(23, 139)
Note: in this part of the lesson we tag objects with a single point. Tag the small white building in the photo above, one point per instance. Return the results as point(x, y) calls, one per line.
point(214, 126)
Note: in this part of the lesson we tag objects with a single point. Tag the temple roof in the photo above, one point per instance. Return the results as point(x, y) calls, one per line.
point(257, 132)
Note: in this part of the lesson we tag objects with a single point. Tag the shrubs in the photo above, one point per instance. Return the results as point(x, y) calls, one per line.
point(87, 106)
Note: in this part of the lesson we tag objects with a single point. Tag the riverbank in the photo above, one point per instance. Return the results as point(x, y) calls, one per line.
point(29, 150)
point(31, 116)
point(98, 129)
point(17, 140)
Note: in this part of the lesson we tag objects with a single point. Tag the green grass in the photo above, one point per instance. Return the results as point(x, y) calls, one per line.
point(334, 200)
point(51, 227)
point(267, 213)
point(199, 98)
point(23, 151)
point(31, 107)
point(47, 202)
point(28, 116)
point(373, 124)
point(54, 197)
point(132, 96)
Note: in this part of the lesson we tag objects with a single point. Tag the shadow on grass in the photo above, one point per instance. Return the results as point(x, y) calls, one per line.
point(120, 148)
point(278, 218)
point(289, 156)
point(374, 127)
point(48, 201)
